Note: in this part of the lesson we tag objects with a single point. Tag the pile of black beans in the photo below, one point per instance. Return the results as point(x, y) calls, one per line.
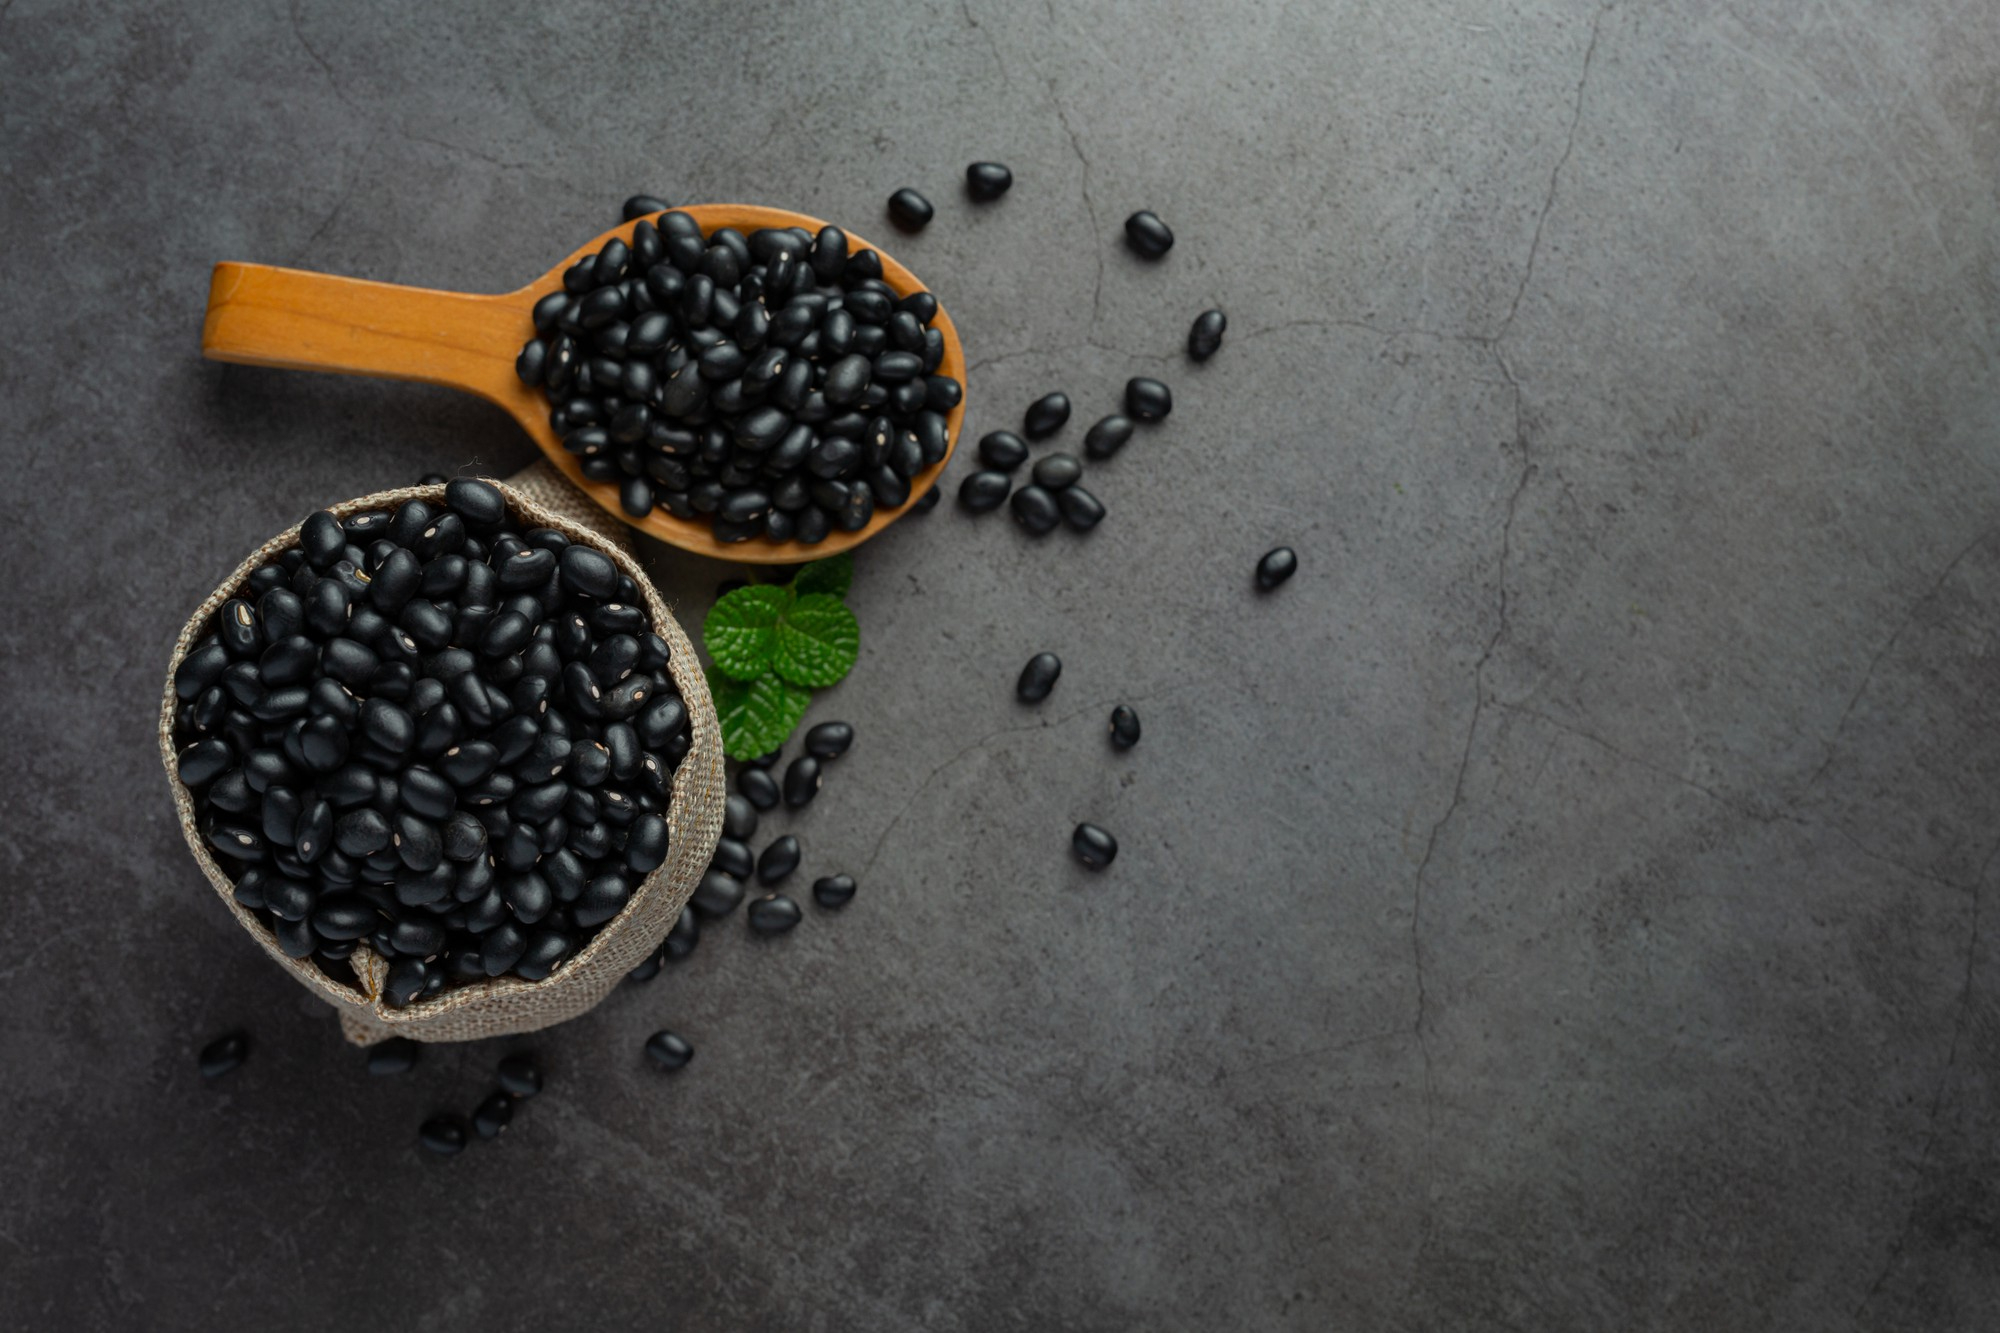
point(436, 734)
point(773, 383)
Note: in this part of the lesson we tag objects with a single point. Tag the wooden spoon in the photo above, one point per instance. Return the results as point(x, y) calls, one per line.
point(292, 319)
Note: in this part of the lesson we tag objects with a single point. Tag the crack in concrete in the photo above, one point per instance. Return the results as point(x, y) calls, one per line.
point(1476, 339)
point(298, 31)
point(1555, 176)
point(1897, 1246)
point(354, 179)
point(1066, 349)
point(1868, 676)
point(1089, 204)
point(1479, 699)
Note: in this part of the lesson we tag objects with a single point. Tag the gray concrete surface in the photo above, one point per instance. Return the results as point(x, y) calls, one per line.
point(1559, 908)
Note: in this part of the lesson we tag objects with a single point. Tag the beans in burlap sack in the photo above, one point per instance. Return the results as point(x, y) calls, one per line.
point(539, 497)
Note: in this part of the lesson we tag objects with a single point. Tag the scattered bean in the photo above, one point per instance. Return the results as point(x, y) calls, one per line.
point(1035, 509)
point(778, 860)
point(519, 1076)
point(987, 181)
point(1278, 564)
point(1205, 337)
point(834, 891)
point(1093, 846)
point(1038, 677)
point(224, 1054)
point(773, 914)
point(1046, 415)
point(1147, 235)
point(493, 1115)
point(397, 1055)
point(829, 740)
point(443, 1135)
point(910, 210)
point(1055, 471)
point(669, 1050)
point(1124, 727)
point(1147, 399)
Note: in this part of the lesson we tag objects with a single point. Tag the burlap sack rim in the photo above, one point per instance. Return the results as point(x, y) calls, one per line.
point(504, 1005)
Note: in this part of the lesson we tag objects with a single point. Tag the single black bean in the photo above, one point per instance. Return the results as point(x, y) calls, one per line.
point(397, 1055)
point(603, 897)
point(204, 761)
point(1124, 726)
point(982, 491)
point(643, 205)
point(987, 181)
point(1107, 436)
point(778, 860)
point(646, 844)
point(1046, 415)
point(1205, 336)
point(739, 818)
point(1277, 565)
point(1035, 509)
point(847, 378)
point(443, 1135)
point(909, 210)
point(200, 669)
point(361, 832)
point(1080, 509)
point(717, 894)
point(499, 949)
point(343, 916)
point(773, 914)
point(669, 1050)
point(1055, 471)
point(1147, 235)
point(1038, 677)
point(224, 1054)
point(942, 393)
point(733, 857)
point(519, 1076)
point(1148, 399)
point(478, 503)
point(802, 781)
point(829, 740)
point(1003, 450)
point(492, 1115)
point(1093, 846)
point(834, 891)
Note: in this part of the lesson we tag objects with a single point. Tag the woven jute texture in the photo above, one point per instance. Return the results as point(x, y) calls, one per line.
point(539, 497)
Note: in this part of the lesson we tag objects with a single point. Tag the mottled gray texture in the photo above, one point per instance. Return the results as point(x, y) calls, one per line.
point(1558, 908)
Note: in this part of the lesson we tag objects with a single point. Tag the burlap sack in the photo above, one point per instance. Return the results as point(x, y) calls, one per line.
point(540, 497)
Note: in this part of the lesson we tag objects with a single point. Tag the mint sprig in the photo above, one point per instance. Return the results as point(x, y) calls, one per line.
point(770, 646)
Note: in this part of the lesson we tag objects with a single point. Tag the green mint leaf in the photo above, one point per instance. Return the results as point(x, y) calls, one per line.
point(817, 641)
point(833, 575)
point(741, 630)
point(756, 715)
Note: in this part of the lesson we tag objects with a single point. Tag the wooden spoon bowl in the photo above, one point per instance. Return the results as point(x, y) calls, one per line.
point(259, 315)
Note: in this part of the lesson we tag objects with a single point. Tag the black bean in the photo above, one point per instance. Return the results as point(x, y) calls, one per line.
point(397, 1055)
point(204, 761)
point(733, 857)
point(909, 210)
point(829, 740)
point(1277, 565)
point(773, 914)
point(1147, 235)
point(533, 361)
point(1148, 399)
point(983, 491)
point(717, 894)
point(1107, 436)
point(847, 378)
point(669, 1050)
point(834, 891)
point(802, 781)
point(778, 860)
point(500, 948)
point(987, 181)
point(478, 503)
point(1080, 509)
point(646, 844)
point(1093, 846)
point(493, 1115)
point(1055, 471)
point(603, 898)
point(1038, 677)
point(224, 1054)
point(643, 205)
point(1003, 450)
point(361, 832)
point(200, 669)
point(1035, 509)
point(1206, 334)
point(519, 1076)
point(1124, 726)
point(443, 1135)
point(343, 916)
point(1046, 415)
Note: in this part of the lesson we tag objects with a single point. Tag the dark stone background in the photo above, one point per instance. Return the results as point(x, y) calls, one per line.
point(1560, 908)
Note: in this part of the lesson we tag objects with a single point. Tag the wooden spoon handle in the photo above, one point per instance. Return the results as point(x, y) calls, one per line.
point(296, 320)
